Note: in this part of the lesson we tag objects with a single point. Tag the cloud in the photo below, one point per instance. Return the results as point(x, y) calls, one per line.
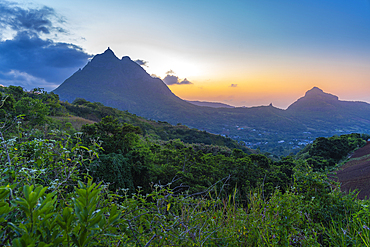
point(24, 80)
point(141, 62)
point(44, 59)
point(171, 79)
point(233, 85)
point(170, 72)
point(185, 81)
point(33, 20)
point(174, 80)
point(29, 60)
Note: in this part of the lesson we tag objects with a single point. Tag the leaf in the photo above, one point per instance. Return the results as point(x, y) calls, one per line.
point(83, 237)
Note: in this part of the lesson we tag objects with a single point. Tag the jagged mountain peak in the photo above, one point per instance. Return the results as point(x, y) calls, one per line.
point(108, 50)
point(108, 53)
point(104, 58)
point(122, 84)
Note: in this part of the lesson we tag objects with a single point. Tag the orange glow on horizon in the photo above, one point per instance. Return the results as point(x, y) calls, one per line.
point(281, 88)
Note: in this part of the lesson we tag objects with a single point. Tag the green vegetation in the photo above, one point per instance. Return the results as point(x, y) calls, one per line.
point(327, 152)
point(125, 181)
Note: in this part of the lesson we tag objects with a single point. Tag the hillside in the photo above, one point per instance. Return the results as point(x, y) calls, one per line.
point(355, 174)
point(95, 112)
point(115, 183)
point(321, 111)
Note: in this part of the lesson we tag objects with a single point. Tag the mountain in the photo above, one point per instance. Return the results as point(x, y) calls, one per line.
point(320, 110)
point(125, 85)
point(210, 104)
point(315, 100)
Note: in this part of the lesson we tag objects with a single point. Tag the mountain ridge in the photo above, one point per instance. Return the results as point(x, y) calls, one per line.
point(125, 85)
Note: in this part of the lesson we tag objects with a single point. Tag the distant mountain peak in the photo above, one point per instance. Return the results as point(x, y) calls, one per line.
point(314, 90)
point(314, 99)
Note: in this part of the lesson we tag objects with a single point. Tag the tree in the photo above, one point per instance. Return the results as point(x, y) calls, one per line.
point(34, 110)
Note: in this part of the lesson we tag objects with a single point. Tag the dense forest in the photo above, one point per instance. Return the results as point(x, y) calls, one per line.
point(83, 174)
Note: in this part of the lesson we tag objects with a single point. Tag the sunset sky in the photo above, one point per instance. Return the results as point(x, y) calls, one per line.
point(239, 52)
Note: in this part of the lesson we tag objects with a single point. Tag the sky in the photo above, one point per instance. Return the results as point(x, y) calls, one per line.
point(239, 52)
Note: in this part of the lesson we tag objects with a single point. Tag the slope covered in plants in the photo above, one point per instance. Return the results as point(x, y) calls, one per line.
point(111, 185)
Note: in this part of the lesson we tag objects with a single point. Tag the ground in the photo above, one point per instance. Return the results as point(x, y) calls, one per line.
point(355, 174)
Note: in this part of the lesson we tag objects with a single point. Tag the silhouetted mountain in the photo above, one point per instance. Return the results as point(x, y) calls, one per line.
point(125, 85)
point(314, 100)
point(322, 110)
point(122, 84)
point(210, 104)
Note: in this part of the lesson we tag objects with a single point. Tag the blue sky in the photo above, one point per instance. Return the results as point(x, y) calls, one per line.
point(236, 52)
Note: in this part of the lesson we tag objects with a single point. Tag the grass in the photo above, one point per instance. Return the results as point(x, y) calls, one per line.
point(77, 122)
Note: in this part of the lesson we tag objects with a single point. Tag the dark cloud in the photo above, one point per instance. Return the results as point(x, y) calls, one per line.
point(141, 62)
point(45, 59)
point(32, 20)
point(15, 77)
point(170, 72)
point(233, 85)
point(174, 80)
point(171, 79)
point(185, 81)
point(29, 60)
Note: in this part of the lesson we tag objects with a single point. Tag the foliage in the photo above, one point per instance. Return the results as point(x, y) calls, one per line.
point(115, 184)
point(326, 152)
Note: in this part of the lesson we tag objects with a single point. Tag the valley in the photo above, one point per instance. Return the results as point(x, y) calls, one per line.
point(125, 85)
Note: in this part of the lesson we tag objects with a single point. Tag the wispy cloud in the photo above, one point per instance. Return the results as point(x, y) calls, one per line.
point(141, 62)
point(233, 85)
